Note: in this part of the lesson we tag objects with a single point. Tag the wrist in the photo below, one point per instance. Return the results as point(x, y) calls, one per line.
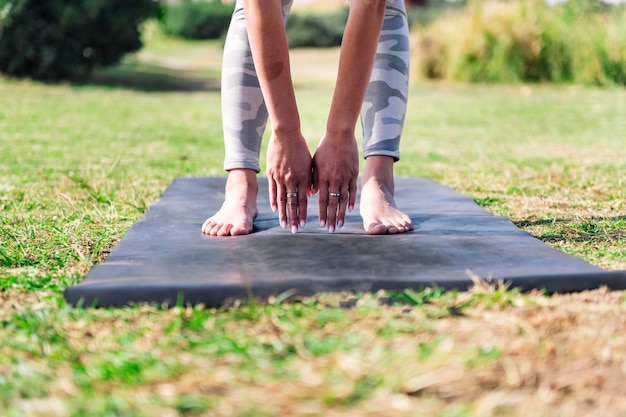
point(286, 131)
point(344, 133)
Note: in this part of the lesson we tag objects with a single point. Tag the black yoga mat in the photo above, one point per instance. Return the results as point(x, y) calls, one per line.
point(164, 258)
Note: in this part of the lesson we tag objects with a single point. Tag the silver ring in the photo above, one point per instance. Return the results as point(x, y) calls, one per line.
point(335, 195)
point(291, 195)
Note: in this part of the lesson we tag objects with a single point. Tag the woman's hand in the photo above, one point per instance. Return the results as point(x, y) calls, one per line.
point(335, 173)
point(289, 178)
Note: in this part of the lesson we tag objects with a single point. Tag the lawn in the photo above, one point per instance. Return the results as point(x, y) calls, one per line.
point(81, 163)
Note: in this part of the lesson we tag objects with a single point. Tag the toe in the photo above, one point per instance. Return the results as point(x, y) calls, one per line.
point(224, 230)
point(239, 230)
point(400, 225)
point(207, 226)
point(215, 229)
point(377, 228)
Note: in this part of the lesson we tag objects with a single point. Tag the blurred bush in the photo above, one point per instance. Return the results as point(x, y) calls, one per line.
point(210, 19)
point(580, 41)
point(197, 20)
point(316, 30)
point(423, 16)
point(60, 39)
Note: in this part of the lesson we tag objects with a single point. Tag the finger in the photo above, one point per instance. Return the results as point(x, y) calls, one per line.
point(292, 208)
point(314, 178)
point(322, 204)
point(282, 206)
point(302, 204)
point(342, 206)
point(273, 193)
point(333, 204)
point(311, 187)
point(352, 194)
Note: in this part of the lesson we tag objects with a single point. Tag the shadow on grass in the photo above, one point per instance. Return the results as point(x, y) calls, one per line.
point(151, 78)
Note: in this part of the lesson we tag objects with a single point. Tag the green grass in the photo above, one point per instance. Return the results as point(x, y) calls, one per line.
point(187, 359)
point(81, 163)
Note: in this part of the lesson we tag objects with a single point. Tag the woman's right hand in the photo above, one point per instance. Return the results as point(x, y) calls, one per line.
point(289, 178)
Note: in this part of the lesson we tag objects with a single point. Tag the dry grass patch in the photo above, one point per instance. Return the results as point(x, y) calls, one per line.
point(488, 352)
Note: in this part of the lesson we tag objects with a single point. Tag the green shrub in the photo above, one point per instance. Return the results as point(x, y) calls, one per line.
point(210, 20)
point(582, 41)
point(59, 39)
point(197, 20)
point(423, 16)
point(316, 30)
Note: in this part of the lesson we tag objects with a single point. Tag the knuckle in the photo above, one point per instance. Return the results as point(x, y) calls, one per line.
point(289, 177)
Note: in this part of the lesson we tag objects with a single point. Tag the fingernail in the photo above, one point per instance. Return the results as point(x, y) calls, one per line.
point(283, 224)
point(350, 207)
point(294, 229)
point(302, 223)
point(339, 224)
point(322, 223)
point(274, 208)
point(331, 229)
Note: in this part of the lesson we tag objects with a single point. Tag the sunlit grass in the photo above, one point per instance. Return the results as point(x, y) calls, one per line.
point(81, 163)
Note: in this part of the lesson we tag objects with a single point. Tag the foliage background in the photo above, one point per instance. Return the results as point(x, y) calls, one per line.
point(56, 40)
point(579, 41)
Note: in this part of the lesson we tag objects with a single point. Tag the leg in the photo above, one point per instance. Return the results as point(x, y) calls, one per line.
point(244, 117)
point(382, 117)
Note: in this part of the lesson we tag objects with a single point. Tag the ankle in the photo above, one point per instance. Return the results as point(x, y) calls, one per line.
point(379, 167)
point(242, 176)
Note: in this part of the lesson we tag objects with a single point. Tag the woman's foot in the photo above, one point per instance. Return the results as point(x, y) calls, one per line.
point(237, 214)
point(378, 206)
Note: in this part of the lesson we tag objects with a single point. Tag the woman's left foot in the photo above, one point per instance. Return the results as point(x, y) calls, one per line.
point(378, 206)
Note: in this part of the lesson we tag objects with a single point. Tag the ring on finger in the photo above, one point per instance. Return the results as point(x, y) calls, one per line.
point(292, 194)
point(334, 194)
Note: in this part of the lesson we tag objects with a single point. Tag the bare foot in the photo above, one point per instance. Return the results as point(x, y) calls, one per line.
point(237, 214)
point(378, 207)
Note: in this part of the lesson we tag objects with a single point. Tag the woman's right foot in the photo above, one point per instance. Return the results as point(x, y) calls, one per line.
point(237, 214)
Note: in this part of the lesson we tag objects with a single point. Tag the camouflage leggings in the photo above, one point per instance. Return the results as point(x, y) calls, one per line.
point(382, 114)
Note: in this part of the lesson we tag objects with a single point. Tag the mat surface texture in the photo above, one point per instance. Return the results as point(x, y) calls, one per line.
point(165, 259)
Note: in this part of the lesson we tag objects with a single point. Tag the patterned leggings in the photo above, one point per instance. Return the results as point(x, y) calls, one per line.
point(382, 113)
